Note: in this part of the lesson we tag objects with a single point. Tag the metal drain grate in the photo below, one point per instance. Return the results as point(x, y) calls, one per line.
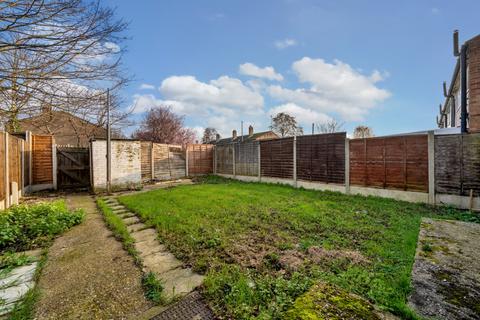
point(192, 307)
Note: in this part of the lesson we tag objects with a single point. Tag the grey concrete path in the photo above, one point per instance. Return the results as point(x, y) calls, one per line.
point(446, 273)
point(88, 274)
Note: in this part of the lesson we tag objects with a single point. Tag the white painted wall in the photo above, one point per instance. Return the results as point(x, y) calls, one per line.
point(126, 164)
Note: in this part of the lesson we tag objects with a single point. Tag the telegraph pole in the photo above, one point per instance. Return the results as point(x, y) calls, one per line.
point(109, 149)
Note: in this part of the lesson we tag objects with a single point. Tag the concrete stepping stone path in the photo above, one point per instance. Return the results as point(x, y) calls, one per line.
point(177, 280)
point(15, 285)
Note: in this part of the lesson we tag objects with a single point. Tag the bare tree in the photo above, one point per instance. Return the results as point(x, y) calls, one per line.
point(330, 126)
point(363, 132)
point(164, 126)
point(60, 54)
point(209, 135)
point(285, 125)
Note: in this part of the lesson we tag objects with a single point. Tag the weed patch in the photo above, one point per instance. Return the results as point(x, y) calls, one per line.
point(153, 288)
point(24, 227)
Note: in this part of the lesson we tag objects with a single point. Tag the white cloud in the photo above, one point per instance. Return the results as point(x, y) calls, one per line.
point(145, 102)
point(221, 103)
point(334, 88)
point(324, 90)
point(304, 116)
point(285, 43)
point(146, 86)
point(250, 69)
point(112, 47)
point(225, 95)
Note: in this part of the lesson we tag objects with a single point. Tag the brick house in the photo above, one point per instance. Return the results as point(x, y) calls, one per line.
point(451, 110)
point(67, 128)
point(251, 136)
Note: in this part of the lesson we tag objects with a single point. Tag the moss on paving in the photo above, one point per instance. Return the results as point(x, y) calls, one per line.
point(263, 245)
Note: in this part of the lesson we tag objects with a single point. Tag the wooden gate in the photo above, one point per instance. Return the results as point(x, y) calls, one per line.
point(73, 167)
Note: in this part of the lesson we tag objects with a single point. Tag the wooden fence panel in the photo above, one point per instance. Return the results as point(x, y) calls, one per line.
point(457, 164)
point(246, 158)
point(177, 162)
point(2, 166)
point(42, 170)
point(224, 161)
point(15, 160)
point(321, 158)
point(200, 159)
point(399, 162)
point(160, 160)
point(146, 160)
point(276, 158)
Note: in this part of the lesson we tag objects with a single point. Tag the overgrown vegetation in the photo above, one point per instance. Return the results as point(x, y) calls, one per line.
point(11, 260)
point(153, 288)
point(262, 246)
point(119, 229)
point(24, 227)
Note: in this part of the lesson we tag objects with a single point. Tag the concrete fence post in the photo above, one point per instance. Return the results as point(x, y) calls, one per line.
point(186, 160)
point(295, 161)
point(234, 169)
point(7, 172)
point(347, 166)
point(259, 163)
point(431, 168)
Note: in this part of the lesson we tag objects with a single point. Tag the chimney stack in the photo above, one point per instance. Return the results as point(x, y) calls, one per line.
point(234, 134)
point(250, 131)
point(217, 137)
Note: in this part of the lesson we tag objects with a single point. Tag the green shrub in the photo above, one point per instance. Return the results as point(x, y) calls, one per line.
point(26, 226)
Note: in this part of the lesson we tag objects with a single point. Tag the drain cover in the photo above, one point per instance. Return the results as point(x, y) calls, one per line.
point(192, 307)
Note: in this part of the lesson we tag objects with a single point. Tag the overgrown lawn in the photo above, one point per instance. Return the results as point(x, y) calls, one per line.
point(263, 245)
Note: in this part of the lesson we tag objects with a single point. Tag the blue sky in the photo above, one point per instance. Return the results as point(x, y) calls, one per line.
point(379, 63)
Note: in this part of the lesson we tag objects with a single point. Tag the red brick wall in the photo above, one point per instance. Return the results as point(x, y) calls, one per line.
point(474, 84)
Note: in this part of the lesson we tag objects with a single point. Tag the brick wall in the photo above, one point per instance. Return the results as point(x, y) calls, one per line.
point(126, 164)
point(474, 84)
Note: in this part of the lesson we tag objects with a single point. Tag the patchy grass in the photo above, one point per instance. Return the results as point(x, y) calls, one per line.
point(262, 245)
point(119, 229)
point(24, 227)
